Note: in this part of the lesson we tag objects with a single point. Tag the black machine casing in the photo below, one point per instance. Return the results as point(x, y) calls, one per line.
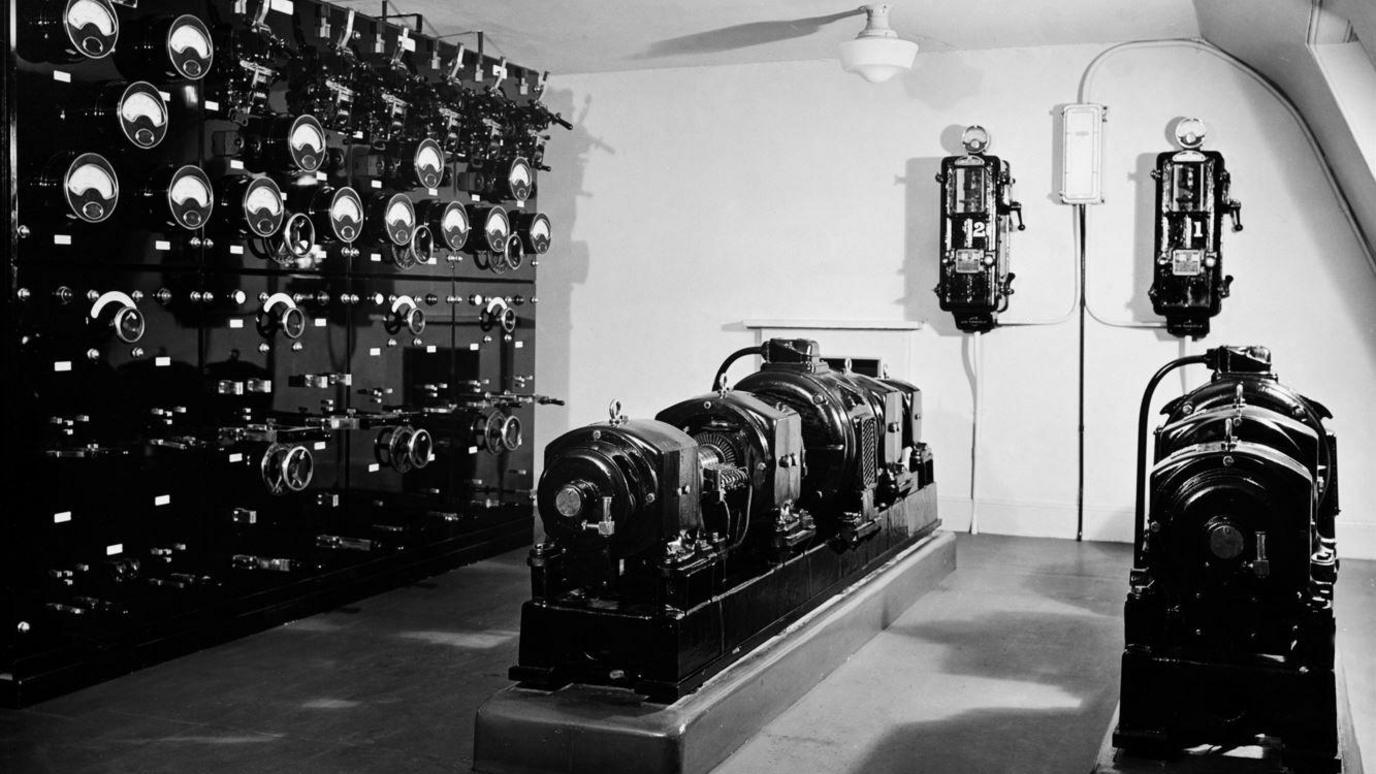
point(1229, 620)
point(977, 210)
point(1192, 197)
point(676, 545)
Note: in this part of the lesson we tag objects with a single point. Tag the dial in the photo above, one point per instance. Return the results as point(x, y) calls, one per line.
point(143, 115)
point(975, 139)
point(306, 142)
point(536, 232)
point(190, 197)
point(497, 228)
point(519, 179)
point(189, 47)
point(400, 219)
point(1189, 132)
point(263, 207)
point(92, 26)
point(346, 214)
point(429, 164)
point(454, 225)
point(91, 187)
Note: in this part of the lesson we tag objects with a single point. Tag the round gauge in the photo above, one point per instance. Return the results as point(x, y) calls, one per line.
point(91, 187)
point(189, 47)
point(414, 320)
point(454, 225)
point(537, 233)
point(421, 448)
point(975, 139)
point(190, 198)
point(298, 235)
point(493, 433)
point(520, 178)
point(399, 217)
point(346, 214)
point(143, 115)
point(292, 322)
point(511, 434)
point(92, 27)
point(129, 324)
point(429, 164)
point(1189, 132)
point(298, 467)
point(306, 142)
point(263, 207)
point(497, 228)
point(422, 245)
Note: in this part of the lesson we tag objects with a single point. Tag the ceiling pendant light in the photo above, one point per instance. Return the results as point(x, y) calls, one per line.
point(877, 53)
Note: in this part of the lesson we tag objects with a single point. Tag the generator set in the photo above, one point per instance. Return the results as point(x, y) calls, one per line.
point(1229, 616)
point(675, 545)
point(269, 315)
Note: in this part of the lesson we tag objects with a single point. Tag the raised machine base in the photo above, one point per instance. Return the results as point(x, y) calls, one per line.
point(1259, 759)
point(611, 730)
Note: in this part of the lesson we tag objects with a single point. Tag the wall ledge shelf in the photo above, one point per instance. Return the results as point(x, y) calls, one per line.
point(834, 325)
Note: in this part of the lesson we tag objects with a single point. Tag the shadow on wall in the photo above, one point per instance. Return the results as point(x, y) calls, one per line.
point(922, 245)
point(567, 263)
point(1143, 256)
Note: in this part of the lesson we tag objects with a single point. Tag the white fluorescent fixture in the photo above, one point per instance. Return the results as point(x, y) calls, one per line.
point(877, 53)
point(1082, 154)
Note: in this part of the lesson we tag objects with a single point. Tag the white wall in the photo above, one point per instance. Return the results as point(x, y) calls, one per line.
point(688, 200)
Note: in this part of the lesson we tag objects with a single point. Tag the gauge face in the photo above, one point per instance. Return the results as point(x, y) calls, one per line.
point(307, 143)
point(293, 323)
point(129, 324)
point(346, 214)
point(189, 47)
point(143, 115)
point(538, 234)
point(263, 208)
point(298, 235)
point(497, 228)
point(92, 26)
point(91, 187)
point(400, 219)
point(493, 432)
point(975, 139)
point(511, 434)
point(1189, 132)
point(429, 163)
point(519, 179)
point(190, 198)
point(454, 225)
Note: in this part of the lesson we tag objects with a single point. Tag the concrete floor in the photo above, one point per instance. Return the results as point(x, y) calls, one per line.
point(1011, 665)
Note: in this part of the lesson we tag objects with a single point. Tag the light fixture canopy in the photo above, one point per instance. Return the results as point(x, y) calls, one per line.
point(877, 53)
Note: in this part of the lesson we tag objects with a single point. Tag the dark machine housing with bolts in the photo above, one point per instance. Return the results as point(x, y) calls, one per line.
point(675, 545)
point(1230, 612)
point(977, 211)
point(255, 363)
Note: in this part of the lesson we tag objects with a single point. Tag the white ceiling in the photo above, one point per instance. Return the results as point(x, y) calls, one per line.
point(576, 36)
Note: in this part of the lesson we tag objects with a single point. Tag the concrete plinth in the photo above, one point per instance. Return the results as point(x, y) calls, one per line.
point(608, 730)
point(1245, 760)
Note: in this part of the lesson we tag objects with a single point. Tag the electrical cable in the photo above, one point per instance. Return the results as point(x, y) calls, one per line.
point(977, 366)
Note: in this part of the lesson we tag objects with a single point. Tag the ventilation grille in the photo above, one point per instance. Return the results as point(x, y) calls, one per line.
point(869, 451)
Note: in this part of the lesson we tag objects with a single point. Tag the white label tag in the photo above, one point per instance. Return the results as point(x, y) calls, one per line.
point(62, 239)
point(284, 6)
point(211, 104)
point(162, 244)
point(407, 42)
point(374, 467)
point(162, 362)
point(236, 457)
point(473, 347)
point(165, 96)
point(520, 345)
point(375, 257)
point(472, 450)
point(321, 177)
point(62, 366)
point(236, 322)
point(521, 204)
point(376, 184)
point(114, 550)
point(431, 349)
point(319, 446)
point(236, 249)
point(162, 500)
point(321, 322)
point(62, 76)
point(62, 518)
point(375, 352)
point(476, 197)
point(236, 164)
point(433, 191)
